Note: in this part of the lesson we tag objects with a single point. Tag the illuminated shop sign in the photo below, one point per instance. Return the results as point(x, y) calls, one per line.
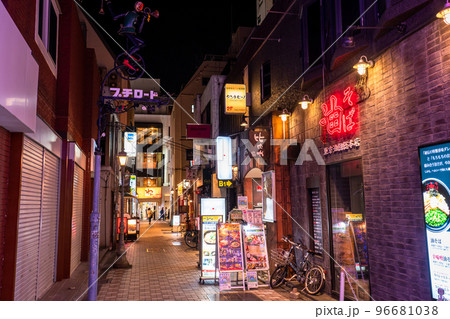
point(235, 99)
point(341, 147)
point(130, 93)
point(435, 169)
point(133, 185)
point(224, 155)
point(130, 140)
point(340, 115)
point(149, 192)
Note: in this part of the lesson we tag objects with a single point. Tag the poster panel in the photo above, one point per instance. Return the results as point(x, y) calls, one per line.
point(435, 169)
point(132, 226)
point(208, 251)
point(255, 247)
point(224, 281)
point(252, 279)
point(230, 247)
point(242, 202)
point(253, 216)
point(268, 181)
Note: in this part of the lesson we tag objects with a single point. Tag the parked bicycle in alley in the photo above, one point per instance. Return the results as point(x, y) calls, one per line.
point(307, 273)
point(191, 235)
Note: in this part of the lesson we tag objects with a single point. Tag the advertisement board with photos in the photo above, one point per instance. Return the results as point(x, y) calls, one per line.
point(208, 245)
point(255, 247)
point(230, 247)
point(435, 171)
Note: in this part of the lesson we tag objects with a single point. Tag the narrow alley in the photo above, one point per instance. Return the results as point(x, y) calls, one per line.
point(164, 268)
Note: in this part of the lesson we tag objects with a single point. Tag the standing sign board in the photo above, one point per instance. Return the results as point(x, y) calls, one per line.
point(229, 242)
point(435, 169)
point(255, 247)
point(212, 211)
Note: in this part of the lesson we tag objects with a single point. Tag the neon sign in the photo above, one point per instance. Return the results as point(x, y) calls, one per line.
point(340, 115)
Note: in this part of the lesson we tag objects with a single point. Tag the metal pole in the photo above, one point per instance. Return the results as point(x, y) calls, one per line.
point(122, 225)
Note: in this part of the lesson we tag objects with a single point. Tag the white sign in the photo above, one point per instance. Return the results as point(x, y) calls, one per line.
point(176, 220)
point(268, 181)
point(213, 206)
point(130, 93)
point(340, 147)
point(224, 165)
point(130, 140)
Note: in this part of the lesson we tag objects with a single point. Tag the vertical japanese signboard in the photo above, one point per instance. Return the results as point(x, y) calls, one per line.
point(316, 212)
point(435, 169)
point(268, 181)
point(255, 247)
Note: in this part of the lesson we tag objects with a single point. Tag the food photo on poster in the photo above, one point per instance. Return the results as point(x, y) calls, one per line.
point(230, 247)
point(255, 247)
point(435, 170)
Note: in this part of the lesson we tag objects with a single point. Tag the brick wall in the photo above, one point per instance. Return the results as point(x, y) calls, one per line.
point(407, 108)
point(5, 143)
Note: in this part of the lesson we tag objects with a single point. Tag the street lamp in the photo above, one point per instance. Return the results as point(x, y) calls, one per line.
point(445, 13)
point(123, 261)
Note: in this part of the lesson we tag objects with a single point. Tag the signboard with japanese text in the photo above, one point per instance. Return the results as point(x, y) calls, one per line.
point(316, 212)
point(230, 247)
point(129, 143)
point(435, 171)
point(260, 144)
point(340, 116)
point(269, 203)
point(133, 184)
point(149, 192)
point(253, 216)
point(208, 245)
point(255, 247)
point(198, 130)
point(235, 99)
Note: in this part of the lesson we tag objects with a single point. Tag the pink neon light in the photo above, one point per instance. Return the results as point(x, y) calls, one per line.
point(338, 119)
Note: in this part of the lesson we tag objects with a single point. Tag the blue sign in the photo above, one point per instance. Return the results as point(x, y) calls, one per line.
point(435, 169)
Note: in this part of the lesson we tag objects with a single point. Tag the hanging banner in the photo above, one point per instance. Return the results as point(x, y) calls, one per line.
point(242, 202)
point(230, 248)
point(435, 169)
point(133, 185)
point(255, 247)
point(208, 245)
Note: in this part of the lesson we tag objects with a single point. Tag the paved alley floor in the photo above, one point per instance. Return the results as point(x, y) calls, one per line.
point(164, 268)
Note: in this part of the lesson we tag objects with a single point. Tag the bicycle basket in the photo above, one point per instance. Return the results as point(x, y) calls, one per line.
point(281, 256)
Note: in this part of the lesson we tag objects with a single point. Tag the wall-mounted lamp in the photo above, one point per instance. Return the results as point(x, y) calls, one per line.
point(362, 65)
point(122, 158)
point(284, 115)
point(305, 102)
point(445, 13)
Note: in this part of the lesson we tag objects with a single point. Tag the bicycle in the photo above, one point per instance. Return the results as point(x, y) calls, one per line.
point(313, 276)
point(191, 236)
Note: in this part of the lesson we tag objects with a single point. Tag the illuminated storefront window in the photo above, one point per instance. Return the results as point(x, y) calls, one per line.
point(346, 193)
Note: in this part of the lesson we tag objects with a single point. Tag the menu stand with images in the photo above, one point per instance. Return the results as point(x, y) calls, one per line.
point(230, 255)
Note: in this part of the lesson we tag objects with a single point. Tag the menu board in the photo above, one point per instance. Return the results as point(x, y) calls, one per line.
point(435, 169)
point(208, 252)
point(316, 219)
point(253, 216)
point(255, 247)
point(230, 247)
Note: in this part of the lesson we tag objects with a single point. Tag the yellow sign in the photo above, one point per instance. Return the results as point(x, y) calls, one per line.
point(235, 99)
point(226, 183)
point(354, 217)
point(149, 192)
point(180, 188)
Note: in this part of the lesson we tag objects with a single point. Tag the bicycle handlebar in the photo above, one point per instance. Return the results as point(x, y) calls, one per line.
point(285, 239)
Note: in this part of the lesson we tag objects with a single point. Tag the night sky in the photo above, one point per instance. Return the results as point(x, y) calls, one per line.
point(184, 32)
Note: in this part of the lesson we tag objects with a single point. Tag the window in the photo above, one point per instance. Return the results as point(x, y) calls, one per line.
point(266, 90)
point(47, 20)
point(348, 11)
point(313, 34)
point(347, 210)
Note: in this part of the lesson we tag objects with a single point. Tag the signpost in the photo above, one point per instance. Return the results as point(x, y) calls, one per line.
point(435, 171)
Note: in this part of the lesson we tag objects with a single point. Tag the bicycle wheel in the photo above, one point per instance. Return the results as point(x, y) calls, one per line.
point(278, 277)
point(190, 240)
point(314, 280)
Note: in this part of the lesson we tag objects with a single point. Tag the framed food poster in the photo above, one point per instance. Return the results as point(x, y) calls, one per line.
point(230, 247)
point(255, 248)
point(435, 171)
point(208, 246)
